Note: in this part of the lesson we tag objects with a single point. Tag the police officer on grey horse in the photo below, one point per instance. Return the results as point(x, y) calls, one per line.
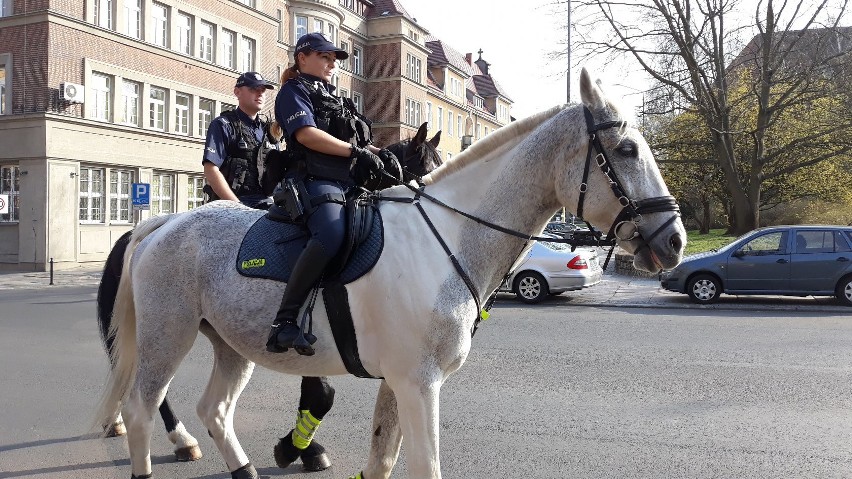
point(330, 152)
point(238, 142)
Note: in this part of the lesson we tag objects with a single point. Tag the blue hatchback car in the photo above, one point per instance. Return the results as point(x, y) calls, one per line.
point(803, 260)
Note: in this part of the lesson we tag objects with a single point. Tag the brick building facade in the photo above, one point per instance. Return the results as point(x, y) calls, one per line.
point(152, 75)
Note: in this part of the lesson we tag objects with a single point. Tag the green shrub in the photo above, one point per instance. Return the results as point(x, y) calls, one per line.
point(698, 243)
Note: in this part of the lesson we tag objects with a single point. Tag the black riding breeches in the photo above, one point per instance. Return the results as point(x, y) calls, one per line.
point(327, 223)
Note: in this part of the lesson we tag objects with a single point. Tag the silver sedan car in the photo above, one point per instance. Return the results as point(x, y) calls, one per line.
point(801, 260)
point(552, 268)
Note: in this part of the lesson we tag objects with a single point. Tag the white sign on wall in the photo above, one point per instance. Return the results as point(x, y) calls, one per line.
point(4, 204)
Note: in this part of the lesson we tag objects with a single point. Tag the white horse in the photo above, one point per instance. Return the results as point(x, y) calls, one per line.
point(180, 277)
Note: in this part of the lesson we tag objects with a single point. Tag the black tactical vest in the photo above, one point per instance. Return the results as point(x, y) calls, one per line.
point(339, 118)
point(245, 163)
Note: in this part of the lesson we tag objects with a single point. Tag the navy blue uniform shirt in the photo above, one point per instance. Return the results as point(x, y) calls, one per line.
point(293, 108)
point(220, 134)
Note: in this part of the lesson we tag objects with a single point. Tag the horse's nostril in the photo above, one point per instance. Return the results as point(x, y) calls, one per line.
point(676, 242)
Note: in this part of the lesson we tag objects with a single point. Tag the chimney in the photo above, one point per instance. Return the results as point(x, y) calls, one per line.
point(469, 58)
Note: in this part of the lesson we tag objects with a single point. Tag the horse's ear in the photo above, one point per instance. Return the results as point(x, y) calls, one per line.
point(590, 93)
point(420, 137)
point(435, 139)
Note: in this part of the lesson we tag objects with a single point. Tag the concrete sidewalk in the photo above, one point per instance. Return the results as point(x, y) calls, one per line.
point(615, 290)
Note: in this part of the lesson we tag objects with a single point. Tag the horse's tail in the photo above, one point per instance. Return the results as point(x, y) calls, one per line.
point(122, 328)
point(108, 288)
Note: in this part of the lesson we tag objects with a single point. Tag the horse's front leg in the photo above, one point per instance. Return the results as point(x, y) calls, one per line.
point(417, 403)
point(387, 436)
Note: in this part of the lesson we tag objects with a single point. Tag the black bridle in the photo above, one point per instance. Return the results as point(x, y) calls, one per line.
point(631, 211)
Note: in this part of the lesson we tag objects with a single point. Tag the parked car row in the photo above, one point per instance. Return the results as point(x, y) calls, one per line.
point(801, 260)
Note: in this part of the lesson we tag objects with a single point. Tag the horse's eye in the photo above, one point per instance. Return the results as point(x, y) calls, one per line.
point(627, 149)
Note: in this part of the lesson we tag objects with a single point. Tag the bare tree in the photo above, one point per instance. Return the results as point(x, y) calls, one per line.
point(695, 53)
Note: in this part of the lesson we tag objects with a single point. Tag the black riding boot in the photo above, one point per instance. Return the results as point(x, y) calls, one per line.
point(307, 272)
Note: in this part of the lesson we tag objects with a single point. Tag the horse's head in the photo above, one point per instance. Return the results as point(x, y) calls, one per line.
point(417, 155)
point(620, 188)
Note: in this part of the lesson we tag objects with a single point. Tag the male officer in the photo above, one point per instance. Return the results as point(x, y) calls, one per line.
point(237, 144)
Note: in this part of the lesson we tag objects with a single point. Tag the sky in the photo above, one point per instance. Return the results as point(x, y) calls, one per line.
point(518, 43)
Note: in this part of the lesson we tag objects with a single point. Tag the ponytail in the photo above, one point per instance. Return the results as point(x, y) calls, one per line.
point(290, 73)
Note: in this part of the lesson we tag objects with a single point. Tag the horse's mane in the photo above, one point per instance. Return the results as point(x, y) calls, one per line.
point(488, 143)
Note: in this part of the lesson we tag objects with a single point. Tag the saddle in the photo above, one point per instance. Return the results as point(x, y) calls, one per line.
point(272, 245)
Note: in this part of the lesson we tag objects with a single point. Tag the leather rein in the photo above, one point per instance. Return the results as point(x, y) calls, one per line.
point(631, 211)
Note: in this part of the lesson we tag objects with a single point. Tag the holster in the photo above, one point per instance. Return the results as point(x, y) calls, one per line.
point(290, 198)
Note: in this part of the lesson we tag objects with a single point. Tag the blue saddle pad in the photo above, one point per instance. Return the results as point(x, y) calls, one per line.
point(270, 248)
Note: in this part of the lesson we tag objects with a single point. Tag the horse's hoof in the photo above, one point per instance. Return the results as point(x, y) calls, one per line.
point(314, 458)
point(115, 430)
point(285, 452)
point(245, 472)
point(187, 454)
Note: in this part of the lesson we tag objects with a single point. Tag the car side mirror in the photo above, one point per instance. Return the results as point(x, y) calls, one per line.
point(738, 253)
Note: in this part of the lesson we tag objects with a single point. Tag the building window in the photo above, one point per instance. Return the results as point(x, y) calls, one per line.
point(485, 131)
point(184, 27)
point(130, 102)
point(228, 107)
point(248, 3)
point(182, 113)
point(450, 122)
point(429, 112)
point(133, 18)
point(318, 24)
point(119, 195)
point(103, 13)
point(455, 87)
point(162, 192)
point(356, 99)
point(207, 34)
point(248, 54)
point(205, 115)
point(279, 15)
point(459, 130)
point(101, 96)
point(331, 33)
point(412, 112)
point(412, 68)
point(440, 119)
point(449, 156)
point(478, 136)
point(194, 192)
point(301, 27)
point(2, 88)
point(160, 21)
point(343, 63)
point(356, 60)
point(344, 93)
point(229, 38)
point(10, 185)
point(91, 195)
point(157, 108)
point(5, 8)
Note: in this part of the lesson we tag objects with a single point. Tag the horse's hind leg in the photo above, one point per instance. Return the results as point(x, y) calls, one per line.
point(231, 373)
point(387, 436)
point(186, 446)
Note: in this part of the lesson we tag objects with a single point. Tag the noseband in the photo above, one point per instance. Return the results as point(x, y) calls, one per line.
point(631, 210)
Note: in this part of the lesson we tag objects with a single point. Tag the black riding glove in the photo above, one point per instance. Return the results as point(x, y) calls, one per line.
point(365, 166)
point(391, 163)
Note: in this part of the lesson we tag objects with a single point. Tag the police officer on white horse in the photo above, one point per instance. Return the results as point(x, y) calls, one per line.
point(330, 152)
point(238, 142)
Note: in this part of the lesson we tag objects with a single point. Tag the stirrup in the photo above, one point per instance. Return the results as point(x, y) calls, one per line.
point(274, 345)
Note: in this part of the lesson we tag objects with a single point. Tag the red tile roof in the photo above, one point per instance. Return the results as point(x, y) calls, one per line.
point(386, 8)
point(442, 54)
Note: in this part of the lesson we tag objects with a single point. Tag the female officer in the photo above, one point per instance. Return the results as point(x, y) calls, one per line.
point(331, 151)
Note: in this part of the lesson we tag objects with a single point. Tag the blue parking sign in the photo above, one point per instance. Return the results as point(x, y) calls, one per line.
point(140, 196)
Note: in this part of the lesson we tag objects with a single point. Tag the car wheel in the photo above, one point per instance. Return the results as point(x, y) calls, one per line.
point(704, 289)
point(844, 291)
point(530, 287)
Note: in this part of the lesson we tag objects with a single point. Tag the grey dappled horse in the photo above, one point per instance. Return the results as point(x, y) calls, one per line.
point(418, 156)
point(580, 156)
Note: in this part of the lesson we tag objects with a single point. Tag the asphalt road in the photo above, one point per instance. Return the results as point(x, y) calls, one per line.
point(550, 391)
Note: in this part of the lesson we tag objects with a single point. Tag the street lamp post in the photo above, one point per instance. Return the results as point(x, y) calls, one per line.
point(569, 52)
